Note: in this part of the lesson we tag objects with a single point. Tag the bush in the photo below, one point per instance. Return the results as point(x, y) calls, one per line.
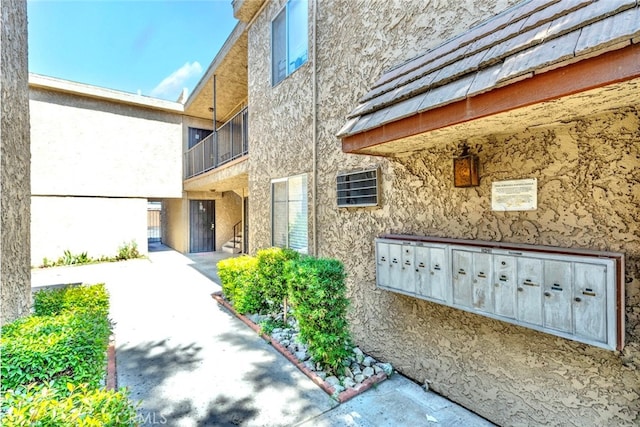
point(318, 296)
point(77, 299)
point(77, 406)
point(69, 347)
point(240, 284)
point(271, 277)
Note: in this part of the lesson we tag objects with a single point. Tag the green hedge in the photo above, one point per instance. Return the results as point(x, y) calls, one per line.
point(270, 274)
point(318, 296)
point(73, 298)
point(53, 363)
point(240, 284)
point(316, 288)
point(79, 406)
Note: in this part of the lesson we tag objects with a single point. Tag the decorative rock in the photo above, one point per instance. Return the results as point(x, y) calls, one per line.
point(338, 388)
point(356, 370)
point(368, 372)
point(348, 373)
point(359, 354)
point(276, 331)
point(359, 378)
point(285, 343)
point(377, 369)
point(321, 374)
point(292, 348)
point(368, 361)
point(333, 381)
point(318, 367)
point(310, 365)
point(348, 382)
point(301, 355)
point(386, 367)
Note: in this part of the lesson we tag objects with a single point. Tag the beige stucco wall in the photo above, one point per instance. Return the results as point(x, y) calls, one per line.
point(228, 213)
point(588, 176)
point(175, 224)
point(96, 225)
point(83, 146)
point(15, 274)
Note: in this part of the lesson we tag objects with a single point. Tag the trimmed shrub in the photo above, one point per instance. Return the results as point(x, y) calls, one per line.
point(318, 296)
point(271, 277)
point(76, 406)
point(240, 284)
point(69, 347)
point(76, 299)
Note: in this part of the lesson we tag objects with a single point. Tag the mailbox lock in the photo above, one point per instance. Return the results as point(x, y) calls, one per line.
point(578, 299)
point(547, 294)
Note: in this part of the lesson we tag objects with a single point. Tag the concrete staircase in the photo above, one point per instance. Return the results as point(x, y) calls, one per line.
point(233, 246)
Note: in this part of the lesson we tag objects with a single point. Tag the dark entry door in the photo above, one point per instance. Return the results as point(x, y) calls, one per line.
point(202, 226)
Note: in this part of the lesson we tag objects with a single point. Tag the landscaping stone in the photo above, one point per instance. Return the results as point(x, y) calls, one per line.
point(368, 361)
point(359, 354)
point(332, 380)
point(359, 378)
point(309, 364)
point(377, 369)
point(321, 374)
point(301, 355)
point(368, 372)
point(348, 382)
point(348, 373)
point(386, 367)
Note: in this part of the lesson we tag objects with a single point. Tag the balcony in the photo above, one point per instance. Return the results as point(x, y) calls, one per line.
point(228, 143)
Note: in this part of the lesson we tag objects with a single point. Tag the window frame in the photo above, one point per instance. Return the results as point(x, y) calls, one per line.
point(285, 9)
point(289, 224)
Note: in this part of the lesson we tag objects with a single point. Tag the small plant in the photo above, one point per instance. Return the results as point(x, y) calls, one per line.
point(77, 299)
point(267, 326)
point(128, 251)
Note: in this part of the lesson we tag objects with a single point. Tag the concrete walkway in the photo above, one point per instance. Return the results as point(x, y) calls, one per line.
point(192, 363)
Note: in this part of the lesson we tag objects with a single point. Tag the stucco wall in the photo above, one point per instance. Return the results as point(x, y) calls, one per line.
point(90, 147)
point(175, 224)
point(96, 225)
point(588, 175)
point(15, 273)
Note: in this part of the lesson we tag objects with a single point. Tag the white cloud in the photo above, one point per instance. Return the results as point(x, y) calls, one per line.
point(172, 86)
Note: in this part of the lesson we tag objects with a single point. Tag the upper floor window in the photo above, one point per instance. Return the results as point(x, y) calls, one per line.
point(196, 135)
point(289, 39)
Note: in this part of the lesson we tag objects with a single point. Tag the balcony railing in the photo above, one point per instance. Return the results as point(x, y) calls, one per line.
point(228, 143)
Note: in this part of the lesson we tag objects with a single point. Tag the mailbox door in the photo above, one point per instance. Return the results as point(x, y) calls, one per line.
point(395, 266)
point(438, 273)
point(462, 270)
point(382, 264)
point(408, 283)
point(423, 285)
point(482, 289)
point(557, 295)
point(589, 306)
point(529, 295)
point(504, 285)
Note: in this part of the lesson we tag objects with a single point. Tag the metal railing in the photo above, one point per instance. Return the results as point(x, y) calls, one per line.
point(228, 143)
point(236, 235)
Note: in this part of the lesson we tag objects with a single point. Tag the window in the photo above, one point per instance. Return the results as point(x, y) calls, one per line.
point(289, 222)
point(358, 188)
point(289, 39)
point(196, 135)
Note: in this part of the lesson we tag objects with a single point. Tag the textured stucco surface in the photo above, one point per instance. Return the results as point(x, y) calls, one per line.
point(96, 225)
point(15, 273)
point(90, 147)
point(228, 213)
point(175, 224)
point(588, 172)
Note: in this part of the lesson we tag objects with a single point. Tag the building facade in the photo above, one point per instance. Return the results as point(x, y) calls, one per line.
point(580, 145)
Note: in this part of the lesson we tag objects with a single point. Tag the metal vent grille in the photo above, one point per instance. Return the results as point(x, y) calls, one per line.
point(358, 189)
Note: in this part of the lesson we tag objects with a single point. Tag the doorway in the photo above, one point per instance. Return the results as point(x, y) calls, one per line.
point(202, 229)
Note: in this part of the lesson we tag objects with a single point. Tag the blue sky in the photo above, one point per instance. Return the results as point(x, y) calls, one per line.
point(155, 47)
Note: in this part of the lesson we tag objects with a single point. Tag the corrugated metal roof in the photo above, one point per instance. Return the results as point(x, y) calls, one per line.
point(530, 38)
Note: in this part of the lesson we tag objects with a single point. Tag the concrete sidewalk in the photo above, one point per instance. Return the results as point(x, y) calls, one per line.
point(192, 363)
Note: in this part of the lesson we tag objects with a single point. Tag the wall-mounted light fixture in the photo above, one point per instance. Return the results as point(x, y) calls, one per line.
point(465, 169)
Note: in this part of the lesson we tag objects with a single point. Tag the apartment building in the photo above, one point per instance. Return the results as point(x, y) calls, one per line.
point(475, 165)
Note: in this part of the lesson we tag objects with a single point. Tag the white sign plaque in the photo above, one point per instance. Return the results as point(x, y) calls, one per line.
point(517, 195)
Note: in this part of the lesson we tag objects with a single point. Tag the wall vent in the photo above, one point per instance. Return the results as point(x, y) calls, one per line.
point(358, 189)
